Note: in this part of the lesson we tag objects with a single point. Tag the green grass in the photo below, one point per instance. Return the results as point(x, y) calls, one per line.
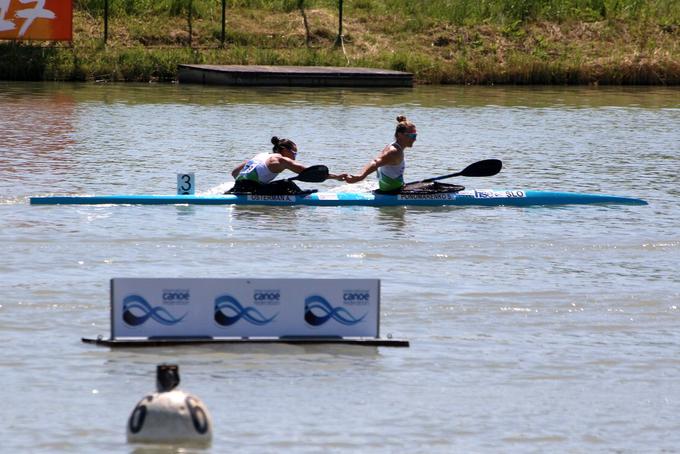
point(421, 11)
point(440, 41)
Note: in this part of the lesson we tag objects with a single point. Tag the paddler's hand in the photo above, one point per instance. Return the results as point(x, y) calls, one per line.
point(351, 179)
point(339, 177)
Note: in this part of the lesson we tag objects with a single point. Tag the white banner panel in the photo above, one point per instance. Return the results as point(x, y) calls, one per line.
point(166, 307)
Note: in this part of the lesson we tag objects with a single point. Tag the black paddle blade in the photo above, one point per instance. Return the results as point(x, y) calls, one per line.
point(485, 168)
point(312, 174)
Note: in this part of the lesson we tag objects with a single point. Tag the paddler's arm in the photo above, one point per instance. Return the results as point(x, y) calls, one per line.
point(389, 156)
point(369, 169)
point(237, 169)
point(278, 164)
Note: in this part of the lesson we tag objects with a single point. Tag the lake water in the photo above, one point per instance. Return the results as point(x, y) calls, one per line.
point(543, 329)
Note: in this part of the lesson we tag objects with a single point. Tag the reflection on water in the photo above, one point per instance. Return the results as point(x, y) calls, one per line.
point(36, 129)
point(185, 210)
point(392, 218)
point(401, 98)
point(218, 353)
point(262, 218)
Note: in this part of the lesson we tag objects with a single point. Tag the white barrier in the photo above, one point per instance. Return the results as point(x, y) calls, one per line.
point(245, 308)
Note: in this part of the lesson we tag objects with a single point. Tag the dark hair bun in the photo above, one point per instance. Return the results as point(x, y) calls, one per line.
point(401, 118)
point(275, 140)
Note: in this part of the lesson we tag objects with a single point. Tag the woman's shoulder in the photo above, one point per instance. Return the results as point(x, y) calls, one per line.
point(261, 157)
point(392, 155)
point(389, 148)
point(392, 149)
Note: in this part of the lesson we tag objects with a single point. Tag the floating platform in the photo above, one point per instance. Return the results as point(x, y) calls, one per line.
point(292, 76)
point(166, 342)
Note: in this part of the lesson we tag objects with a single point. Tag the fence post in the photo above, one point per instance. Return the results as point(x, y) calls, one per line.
point(106, 21)
point(224, 20)
point(189, 20)
point(339, 40)
point(190, 27)
point(308, 36)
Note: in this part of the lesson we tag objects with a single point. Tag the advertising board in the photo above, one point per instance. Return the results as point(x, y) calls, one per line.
point(213, 307)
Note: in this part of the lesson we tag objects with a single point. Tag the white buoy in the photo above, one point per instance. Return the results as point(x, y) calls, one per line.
point(169, 415)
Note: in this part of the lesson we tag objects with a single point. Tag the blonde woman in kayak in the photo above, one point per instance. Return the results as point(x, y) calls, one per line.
point(257, 175)
point(390, 162)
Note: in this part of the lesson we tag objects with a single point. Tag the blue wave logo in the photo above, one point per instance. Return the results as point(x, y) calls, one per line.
point(137, 310)
point(229, 311)
point(318, 311)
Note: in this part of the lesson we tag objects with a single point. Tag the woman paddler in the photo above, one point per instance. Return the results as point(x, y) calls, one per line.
point(257, 174)
point(390, 162)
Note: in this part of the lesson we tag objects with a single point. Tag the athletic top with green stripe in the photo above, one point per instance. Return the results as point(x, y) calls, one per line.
point(256, 170)
point(391, 177)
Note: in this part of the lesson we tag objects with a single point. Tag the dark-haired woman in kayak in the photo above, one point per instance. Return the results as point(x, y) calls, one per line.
point(257, 174)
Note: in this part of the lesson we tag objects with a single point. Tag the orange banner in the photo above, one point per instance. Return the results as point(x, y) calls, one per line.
point(49, 20)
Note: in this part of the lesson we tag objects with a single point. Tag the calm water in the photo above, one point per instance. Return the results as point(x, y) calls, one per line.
point(532, 330)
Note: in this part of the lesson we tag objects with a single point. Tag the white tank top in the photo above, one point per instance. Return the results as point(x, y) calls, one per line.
point(256, 169)
point(391, 177)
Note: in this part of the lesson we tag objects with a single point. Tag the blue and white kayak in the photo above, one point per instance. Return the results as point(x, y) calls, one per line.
point(471, 197)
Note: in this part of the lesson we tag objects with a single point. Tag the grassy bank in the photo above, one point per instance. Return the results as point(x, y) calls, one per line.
point(440, 41)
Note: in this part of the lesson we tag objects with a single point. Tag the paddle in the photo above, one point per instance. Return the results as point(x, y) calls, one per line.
point(312, 174)
point(485, 168)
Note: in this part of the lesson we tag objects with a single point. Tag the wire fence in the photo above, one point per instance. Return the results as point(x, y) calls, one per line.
point(417, 14)
point(211, 10)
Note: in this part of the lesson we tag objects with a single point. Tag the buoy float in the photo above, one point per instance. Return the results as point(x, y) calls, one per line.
point(169, 415)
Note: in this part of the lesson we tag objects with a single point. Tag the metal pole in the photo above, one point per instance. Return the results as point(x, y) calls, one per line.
point(190, 28)
point(224, 20)
point(339, 40)
point(106, 20)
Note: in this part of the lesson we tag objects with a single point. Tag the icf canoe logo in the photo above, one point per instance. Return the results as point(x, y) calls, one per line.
point(318, 311)
point(137, 310)
point(228, 310)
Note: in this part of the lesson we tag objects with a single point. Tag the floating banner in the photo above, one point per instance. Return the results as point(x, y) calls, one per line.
point(199, 308)
point(49, 20)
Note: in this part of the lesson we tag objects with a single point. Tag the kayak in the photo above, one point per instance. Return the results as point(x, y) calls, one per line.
point(469, 197)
